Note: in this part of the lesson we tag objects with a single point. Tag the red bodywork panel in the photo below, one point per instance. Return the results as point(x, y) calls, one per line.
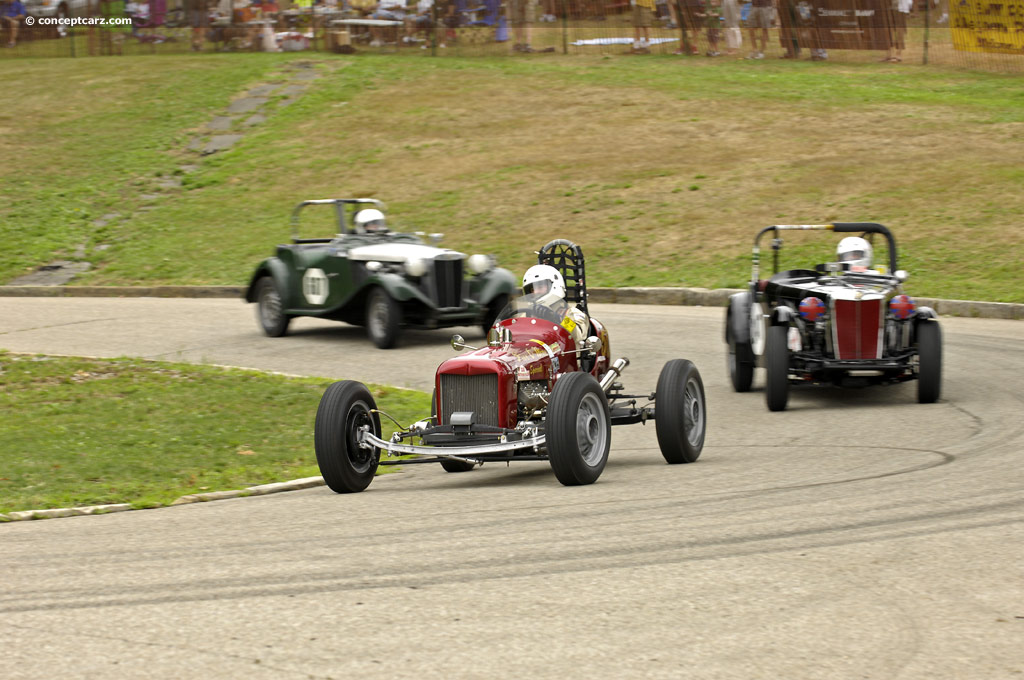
point(527, 356)
point(856, 326)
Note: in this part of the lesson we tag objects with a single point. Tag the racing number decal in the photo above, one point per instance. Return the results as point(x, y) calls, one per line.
point(314, 286)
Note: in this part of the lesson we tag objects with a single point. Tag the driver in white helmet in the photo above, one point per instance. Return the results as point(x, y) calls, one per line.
point(370, 221)
point(855, 252)
point(545, 285)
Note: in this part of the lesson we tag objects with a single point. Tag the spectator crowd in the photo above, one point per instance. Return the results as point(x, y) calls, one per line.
point(713, 28)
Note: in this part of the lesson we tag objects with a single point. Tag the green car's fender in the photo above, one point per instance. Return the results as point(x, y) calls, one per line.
point(493, 283)
point(276, 269)
point(397, 286)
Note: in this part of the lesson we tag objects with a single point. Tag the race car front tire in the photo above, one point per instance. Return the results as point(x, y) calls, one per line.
point(776, 359)
point(680, 412)
point(929, 356)
point(578, 429)
point(345, 409)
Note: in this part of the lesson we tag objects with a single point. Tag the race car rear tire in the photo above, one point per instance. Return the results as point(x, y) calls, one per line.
point(345, 408)
point(741, 370)
point(578, 429)
point(680, 412)
point(929, 356)
point(776, 360)
point(383, 317)
point(270, 309)
point(448, 465)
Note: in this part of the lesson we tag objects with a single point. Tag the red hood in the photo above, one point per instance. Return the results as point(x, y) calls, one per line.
point(531, 348)
point(535, 353)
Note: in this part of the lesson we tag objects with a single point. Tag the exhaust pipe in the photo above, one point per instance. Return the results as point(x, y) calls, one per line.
point(613, 373)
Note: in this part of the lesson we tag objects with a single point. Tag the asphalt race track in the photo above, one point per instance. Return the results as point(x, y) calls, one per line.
point(856, 535)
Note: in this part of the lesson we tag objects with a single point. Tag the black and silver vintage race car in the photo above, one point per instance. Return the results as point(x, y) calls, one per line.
point(381, 279)
point(530, 395)
point(831, 324)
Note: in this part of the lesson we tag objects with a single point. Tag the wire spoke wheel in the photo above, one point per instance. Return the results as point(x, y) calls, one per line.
point(383, 316)
point(270, 308)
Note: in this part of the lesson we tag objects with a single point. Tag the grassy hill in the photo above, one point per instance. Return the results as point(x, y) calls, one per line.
point(661, 168)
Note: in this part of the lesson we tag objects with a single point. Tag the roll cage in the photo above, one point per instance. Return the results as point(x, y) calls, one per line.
point(567, 258)
point(862, 228)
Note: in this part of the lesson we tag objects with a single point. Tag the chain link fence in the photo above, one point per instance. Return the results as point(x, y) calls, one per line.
point(972, 34)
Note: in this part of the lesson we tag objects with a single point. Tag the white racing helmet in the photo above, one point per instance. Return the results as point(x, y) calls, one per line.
point(370, 221)
point(545, 280)
point(856, 252)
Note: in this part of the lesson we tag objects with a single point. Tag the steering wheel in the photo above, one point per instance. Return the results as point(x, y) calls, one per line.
point(541, 312)
point(834, 281)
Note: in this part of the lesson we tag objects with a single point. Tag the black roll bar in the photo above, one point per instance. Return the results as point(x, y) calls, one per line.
point(838, 227)
point(339, 210)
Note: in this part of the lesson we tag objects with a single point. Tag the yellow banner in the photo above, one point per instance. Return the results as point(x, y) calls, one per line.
point(988, 25)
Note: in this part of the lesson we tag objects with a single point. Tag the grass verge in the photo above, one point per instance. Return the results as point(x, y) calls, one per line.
point(94, 431)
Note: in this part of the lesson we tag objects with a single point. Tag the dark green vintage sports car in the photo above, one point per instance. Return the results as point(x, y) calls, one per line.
point(368, 275)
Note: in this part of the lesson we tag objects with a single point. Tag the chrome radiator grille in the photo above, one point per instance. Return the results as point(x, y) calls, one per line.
point(477, 393)
point(448, 282)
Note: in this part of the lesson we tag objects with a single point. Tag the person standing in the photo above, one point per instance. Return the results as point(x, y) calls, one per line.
point(687, 11)
point(789, 25)
point(709, 17)
point(524, 13)
point(759, 19)
point(199, 20)
point(643, 18)
point(901, 9)
point(13, 14)
point(733, 34)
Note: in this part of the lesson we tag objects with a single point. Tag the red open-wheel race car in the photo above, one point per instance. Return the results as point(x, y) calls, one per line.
point(538, 391)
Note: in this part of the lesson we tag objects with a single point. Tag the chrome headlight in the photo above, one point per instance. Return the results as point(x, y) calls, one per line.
point(478, 264)
point(416, 266)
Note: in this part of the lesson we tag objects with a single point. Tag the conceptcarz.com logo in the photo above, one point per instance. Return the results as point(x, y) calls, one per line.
point(79, 21)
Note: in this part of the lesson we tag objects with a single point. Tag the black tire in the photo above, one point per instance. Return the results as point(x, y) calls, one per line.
point(383, 318)
point(579, 430)
point(449, 465)
point(494, 308)
point(270, 308)
point(929, 357)
point(681, 415)
point(345, 407)
point(776, 361)
point(741, 368)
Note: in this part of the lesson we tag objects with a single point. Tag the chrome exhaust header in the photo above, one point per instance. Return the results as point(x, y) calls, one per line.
point(614, 372)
